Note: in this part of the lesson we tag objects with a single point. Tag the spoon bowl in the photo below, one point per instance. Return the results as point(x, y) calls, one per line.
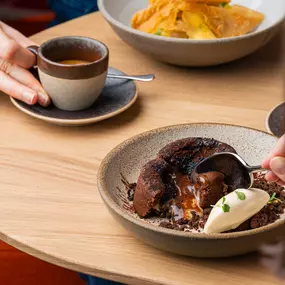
point(238, 174)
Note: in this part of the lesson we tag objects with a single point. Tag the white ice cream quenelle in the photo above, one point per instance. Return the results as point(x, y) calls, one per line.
point(234, 209)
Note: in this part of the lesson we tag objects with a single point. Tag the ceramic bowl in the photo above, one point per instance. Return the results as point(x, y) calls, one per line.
point(185, 52)
point(275, 121)
point(131, 155)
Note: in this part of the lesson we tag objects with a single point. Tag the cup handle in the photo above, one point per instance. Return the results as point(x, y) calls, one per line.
point(35, 50)
point(34, 69)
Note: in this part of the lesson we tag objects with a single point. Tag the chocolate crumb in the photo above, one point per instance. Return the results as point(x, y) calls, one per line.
point(259, 220)
point(269, 214)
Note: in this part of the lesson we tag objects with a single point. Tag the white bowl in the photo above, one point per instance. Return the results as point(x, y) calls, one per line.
point(186, 52)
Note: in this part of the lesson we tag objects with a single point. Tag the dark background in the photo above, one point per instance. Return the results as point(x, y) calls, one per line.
point(27, 16)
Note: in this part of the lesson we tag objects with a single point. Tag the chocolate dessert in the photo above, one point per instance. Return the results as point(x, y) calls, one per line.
point(210, 188)
point(185, 154)
point(164, 183)
point(154, 186)
point(167, 189)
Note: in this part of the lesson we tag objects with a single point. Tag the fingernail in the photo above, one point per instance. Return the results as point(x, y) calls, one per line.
point(43, 99)
point(277, 165)
point(30, 97)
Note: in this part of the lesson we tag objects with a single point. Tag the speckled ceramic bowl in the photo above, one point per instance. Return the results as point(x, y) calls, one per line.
point(130, 156)
point(187, 52)
point(275, 121)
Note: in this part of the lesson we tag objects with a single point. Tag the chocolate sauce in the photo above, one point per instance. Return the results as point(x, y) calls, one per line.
point(194, 196)
point(186, 199)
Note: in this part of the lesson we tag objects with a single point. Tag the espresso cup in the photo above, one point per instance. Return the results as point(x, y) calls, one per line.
point(72, 87)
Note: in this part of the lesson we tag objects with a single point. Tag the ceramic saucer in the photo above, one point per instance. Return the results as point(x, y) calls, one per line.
point(275, 122)
point(117, 96)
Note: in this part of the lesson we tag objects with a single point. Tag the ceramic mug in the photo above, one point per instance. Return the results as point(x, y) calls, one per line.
point(72, 87)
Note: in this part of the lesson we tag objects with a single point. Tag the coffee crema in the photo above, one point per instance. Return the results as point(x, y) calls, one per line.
point(73, 62)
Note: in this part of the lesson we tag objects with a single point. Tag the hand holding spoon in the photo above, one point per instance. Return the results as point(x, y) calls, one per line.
point(237, 172)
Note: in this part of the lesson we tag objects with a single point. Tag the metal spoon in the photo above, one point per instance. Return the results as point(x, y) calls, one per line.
point(238, 174)
point(144, 78)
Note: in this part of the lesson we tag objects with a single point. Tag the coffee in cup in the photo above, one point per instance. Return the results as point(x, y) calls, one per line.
point(73, 62)
point(72, 70)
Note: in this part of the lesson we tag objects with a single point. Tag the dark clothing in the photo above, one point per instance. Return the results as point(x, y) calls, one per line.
point(66, 10)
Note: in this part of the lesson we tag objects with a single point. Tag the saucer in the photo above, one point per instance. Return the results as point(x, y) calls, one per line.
point(275, 122)
point(117, 96)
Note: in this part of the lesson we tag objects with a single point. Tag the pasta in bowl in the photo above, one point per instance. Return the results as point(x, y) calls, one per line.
point(241, 28)
point(196, 19)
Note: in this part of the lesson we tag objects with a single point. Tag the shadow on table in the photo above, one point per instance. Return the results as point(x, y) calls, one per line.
point(107, 125)
point(271, 56)
point(120, 120)
point(230, 264)
point(269, 259)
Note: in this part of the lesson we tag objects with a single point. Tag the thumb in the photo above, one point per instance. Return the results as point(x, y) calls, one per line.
point(277, 165)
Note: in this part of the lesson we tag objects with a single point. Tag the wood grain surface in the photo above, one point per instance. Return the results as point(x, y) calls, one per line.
point(49, 203)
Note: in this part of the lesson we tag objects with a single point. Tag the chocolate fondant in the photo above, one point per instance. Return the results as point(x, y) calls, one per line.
point(157, 186)
point(167, 189)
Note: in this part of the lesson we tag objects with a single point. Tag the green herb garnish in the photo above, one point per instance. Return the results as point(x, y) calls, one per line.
point(224, 4)
point(158, 32)
point(240, 195)
point(273, 198)
point(226, 208)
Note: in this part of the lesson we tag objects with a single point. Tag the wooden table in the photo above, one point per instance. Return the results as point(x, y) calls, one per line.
point(49, 203)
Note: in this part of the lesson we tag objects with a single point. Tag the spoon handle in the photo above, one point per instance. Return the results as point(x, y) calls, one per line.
point(144, 78)
point(255, 168)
